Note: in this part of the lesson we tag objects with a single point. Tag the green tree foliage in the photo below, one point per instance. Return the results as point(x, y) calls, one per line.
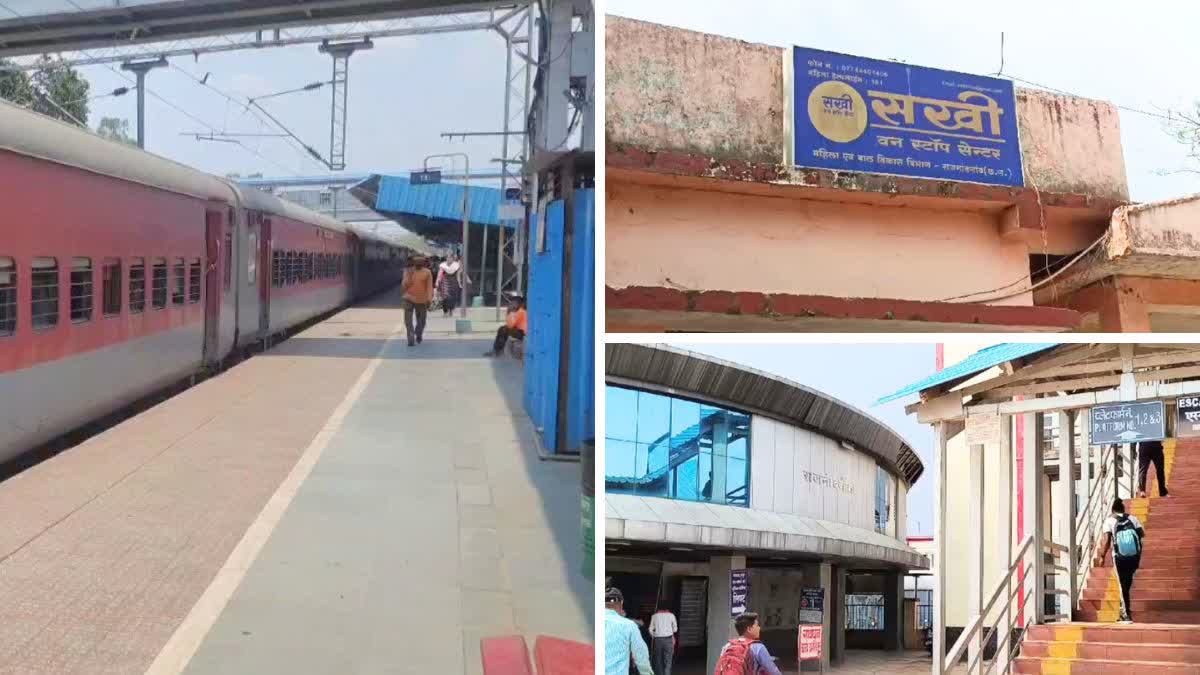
point(116, 128)
point(53, 89)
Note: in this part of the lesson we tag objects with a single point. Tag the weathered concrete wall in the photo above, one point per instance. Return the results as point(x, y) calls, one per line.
point(669, 89)
point(1170, 228)
point(1071, 145)
point(702, 240)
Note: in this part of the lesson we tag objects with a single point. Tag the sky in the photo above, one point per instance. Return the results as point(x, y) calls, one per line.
point(1141, 55)
point(858, 374)
point(402, 94)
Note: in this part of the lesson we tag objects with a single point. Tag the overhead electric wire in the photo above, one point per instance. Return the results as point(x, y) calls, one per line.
point(148, 90)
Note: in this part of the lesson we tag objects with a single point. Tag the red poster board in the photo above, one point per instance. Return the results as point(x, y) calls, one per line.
point(809, 642)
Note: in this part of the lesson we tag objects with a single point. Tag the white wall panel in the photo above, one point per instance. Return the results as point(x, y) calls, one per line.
point(803, 473)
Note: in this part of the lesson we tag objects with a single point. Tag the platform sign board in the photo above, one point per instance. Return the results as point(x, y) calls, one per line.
point(1187, 417)
point(856, 114)
point(809, 642)
point(812, 605)
point(739, 591)
point(425, 177)
point(1128, 423)
point(510, 211)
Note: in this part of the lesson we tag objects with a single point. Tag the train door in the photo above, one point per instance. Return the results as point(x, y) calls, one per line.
point(264, 278)
point(213, 241)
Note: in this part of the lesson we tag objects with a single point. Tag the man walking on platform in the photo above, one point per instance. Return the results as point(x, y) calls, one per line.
point(417, 286)
point(663, 628)
point(622, 640)
point(1151, 451)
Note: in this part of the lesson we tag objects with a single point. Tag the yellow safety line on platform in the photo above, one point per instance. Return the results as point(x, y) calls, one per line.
point(182, 646)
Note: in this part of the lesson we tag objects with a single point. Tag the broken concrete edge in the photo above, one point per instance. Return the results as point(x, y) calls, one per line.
point(786, 306)
point(674, 163)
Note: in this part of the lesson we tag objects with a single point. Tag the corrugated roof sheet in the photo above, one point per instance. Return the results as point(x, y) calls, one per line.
point(441, 200)
point(973, 364)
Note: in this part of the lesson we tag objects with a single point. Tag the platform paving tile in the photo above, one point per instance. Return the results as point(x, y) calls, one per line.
point(465, 501)
point(105, 548)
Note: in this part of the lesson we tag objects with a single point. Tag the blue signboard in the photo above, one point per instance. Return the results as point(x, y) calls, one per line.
point(1128, 423)
point(812, 605)
point(856, 114)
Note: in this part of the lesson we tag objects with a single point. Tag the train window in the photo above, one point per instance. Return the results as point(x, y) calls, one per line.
point(194, 280)
point(44, 285)
point(276, 270)
point(137, 285)
point(110, 272)
point(289, 268)
point(81, 290)
point(252, 263)
point(178, 289)
point(228, 258)
point(158, 284)
point(8, 296)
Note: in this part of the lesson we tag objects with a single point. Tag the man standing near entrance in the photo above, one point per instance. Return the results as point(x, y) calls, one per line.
point(1151, 451)
point(622, 639)
point(663, 629)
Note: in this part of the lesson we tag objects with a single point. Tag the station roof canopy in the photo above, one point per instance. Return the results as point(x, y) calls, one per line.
point(722, 382)
point(1013, 379)
point(432, 211)
point(74, 25)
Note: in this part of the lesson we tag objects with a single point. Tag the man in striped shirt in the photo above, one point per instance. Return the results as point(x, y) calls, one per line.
point(622, 638)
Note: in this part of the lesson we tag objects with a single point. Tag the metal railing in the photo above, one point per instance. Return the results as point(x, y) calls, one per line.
point(1007, 609)
point(1089, 522)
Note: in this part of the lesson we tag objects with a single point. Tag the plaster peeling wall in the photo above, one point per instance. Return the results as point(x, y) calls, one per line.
point(672, 89)
point(1071, 145)
point(700, 240)
point(668, 88)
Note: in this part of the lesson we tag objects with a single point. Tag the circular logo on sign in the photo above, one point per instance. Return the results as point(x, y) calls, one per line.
point(837, 111)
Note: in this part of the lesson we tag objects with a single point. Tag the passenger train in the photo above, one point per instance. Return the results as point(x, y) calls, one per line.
point(122, 273)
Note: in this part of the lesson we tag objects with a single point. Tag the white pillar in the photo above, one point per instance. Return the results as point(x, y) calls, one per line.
point(1033, 509)
point(939, 556)
point(975, 554)
point(720, 622)
point(1005, 529)
point(1066, 506)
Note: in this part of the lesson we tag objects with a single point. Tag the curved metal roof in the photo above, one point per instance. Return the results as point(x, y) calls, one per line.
point(705, 377)
point(35, 135)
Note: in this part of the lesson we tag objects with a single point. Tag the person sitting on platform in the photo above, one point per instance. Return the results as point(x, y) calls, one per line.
point(516, 323)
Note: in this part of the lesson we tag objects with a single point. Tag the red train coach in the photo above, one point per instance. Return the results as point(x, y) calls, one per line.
point(122, 272)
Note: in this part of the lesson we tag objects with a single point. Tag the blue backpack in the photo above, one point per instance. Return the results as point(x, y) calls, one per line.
point(1126, 542)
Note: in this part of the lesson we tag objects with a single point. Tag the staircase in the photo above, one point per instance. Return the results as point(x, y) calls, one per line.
point(1166, 592)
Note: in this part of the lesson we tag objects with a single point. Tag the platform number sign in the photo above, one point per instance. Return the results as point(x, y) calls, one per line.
point(1187, 417)
point(425, 177)
point(812, 605)
point(739, 591)
point(1128, 423)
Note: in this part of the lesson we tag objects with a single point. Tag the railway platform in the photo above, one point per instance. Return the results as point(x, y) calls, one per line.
point(341, 503)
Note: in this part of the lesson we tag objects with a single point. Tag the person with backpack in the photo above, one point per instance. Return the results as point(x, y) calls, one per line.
point(745, 655)
point(1124, 533)
point(622, 638)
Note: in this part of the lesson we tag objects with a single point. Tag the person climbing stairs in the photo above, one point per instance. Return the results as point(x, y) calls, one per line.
point(1165, 602)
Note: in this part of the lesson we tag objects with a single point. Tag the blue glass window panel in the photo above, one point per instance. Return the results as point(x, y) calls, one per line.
point(736, 478)
point(686, 486)
point(653, 418)
point(620, 413)
point(619, 459)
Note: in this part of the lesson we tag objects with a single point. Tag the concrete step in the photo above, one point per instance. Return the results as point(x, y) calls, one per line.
point(1036, 666)
point(1116, 651)
point(1150, 616)
point(1140, 593)
point(1136, 633)
point(1138, 606)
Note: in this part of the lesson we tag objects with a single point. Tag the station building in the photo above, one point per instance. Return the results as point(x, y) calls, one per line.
point(699, 134)
point(715, 472)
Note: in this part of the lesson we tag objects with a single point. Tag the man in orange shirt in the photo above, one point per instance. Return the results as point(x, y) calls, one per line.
point(516, 322)
point(418, 292)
